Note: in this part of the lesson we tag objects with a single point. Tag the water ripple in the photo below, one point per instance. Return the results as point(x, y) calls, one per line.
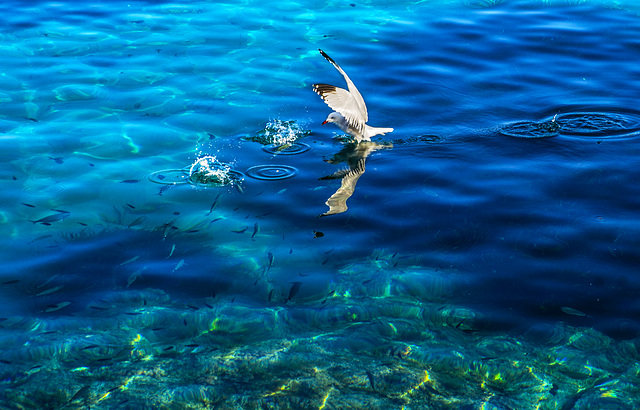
point(271, 172)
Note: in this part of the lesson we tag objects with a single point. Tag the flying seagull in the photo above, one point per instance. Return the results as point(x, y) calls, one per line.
point(350, 110)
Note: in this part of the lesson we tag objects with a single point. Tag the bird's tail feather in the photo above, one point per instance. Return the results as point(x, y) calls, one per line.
point(371, 131)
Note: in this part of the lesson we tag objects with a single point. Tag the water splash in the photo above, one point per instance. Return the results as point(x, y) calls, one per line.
point(208, 171)
point(279, 133)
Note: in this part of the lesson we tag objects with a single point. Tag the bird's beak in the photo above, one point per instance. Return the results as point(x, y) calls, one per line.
point(324, 122)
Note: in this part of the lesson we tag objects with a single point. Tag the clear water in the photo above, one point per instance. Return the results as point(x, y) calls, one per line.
point(483, 255)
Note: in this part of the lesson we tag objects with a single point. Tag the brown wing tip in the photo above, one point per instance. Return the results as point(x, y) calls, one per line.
point(322, 89)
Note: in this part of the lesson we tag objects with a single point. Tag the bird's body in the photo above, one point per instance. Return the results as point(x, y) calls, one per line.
point(350, 113)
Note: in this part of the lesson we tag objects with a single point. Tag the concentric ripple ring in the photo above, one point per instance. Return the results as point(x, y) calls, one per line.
point(169, 176)
point(271, 172)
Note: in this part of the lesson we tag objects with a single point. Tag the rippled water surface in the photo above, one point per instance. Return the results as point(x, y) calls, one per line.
point(178, 230)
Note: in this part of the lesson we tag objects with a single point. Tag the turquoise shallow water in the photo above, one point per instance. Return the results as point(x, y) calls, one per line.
point(483, 255)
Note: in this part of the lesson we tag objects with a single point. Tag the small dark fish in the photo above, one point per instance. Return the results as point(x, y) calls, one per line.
point(168, 348)
point(290, 251)
point(91, 165)
point(11, 282)
point(256, 229)
point(129, 181)
point(5, 361)
point(83, 224)
point(113, 389)
point(238, 188)
point(208, 305)
point(270, 295)
point(318, 234)
point(367, 281)
point(295, 288)
point(270, 256)
point(233, 299)
point(90, 347)
point(29, 205)
point(163, 188)
point(132, 313)
point(371, 379)
point(325, 261)
point(157, 329)
point(32, 119)
point(81, 394)
point(52, 218)
point(217, 219)
point(242, 230)
point(192, 345)
point(98, 308)
point(36, 367)
point(58, 160)
point(572, 311)
point(185, 322)
point(62, 211)
point(131, 206)
point(138, 221)
point(193, 307)
point(215, 203)
point(53, 308)
point(193, 231)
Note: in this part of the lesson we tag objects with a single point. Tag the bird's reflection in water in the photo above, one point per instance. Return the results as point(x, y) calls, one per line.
point(355, 156)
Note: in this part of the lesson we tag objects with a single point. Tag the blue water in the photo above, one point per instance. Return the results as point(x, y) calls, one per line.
point(483, 255)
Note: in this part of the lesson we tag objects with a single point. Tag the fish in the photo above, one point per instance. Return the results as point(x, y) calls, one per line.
point(51, 218)
point(11, 282)
point(371, 379)
point(90, 347)
point(98, 308)
point(270, 295)
point(134, 276)
point(39, 238)
point(318, 234)
point(179, 265)
point(215, 203)
point(135, 258)
point(214, 220)
point(270, 256)
point(57, 160)
point(193, 231)
point(173, 248)
point(238, 188)
point(29, 205)
point(256, 229)
point(295, 288)
point(138, 221)
point(325, 261)
point(192, 345)
point(83, 393)
point(572, 311)
point(50, 290)
point(163, 189)
point(53, 308)
point(242, 230)
point(131, 206)
point(129, 181)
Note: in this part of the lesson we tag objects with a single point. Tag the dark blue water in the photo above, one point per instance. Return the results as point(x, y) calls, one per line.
point(484, 254)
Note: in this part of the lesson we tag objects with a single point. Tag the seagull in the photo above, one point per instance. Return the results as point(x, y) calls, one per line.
point(350, 110)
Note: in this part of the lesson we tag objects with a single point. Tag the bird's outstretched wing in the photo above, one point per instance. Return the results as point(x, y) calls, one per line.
point(348, 103)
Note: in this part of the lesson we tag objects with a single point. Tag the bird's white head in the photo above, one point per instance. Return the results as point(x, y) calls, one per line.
point(336, 118)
